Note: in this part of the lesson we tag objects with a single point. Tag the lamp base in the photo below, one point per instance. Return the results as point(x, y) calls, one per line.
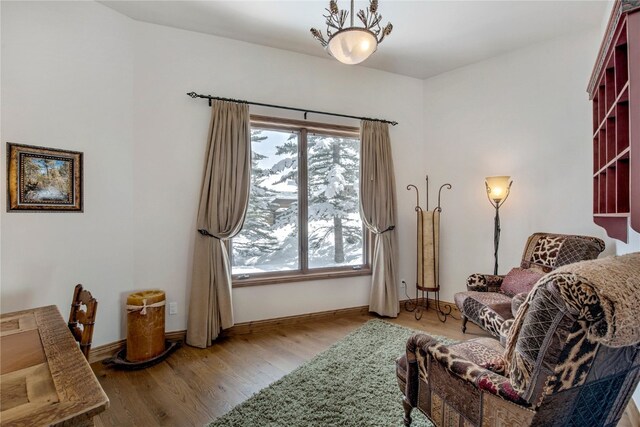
point(496, 238)
point(421, 304)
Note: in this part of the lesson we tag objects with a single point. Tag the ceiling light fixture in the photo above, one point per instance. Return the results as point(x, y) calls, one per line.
point(352, 45)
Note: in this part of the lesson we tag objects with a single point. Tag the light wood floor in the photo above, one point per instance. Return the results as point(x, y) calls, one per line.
point(195, 386)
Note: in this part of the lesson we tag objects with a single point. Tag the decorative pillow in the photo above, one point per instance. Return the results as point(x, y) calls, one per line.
point(519, 280)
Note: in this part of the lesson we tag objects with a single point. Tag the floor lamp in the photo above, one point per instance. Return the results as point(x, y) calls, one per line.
point(498, 189)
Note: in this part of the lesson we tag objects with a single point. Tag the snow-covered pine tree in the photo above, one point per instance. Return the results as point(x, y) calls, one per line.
point(286, 222)
point(256, 241)
point(335, 229)
point(334, 226)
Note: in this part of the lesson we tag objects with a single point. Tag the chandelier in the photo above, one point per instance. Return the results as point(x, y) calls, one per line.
point(352, 45)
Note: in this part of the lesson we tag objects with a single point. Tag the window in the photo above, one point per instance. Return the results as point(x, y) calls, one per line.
point(303, 217)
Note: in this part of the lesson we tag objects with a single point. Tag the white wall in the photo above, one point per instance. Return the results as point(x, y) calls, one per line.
point(524, 114)
point(632, 244)
point(170, 135)
point(67, 76)
point(79, 76)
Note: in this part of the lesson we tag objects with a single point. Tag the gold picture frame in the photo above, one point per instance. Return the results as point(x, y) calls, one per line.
point(43, 179)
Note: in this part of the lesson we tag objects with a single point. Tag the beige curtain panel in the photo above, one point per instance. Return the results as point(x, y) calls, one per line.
point(378, 212)
point(428, 249)
point(223, 204)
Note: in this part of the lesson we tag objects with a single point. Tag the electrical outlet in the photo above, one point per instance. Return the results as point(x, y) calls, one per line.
point(173, 308)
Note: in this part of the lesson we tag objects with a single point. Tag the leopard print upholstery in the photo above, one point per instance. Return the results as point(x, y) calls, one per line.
point(455, 363)
point(546, 251)
point(580, 298)
point(490, 321)
point(553, 372)
point(487, 309)
point(575, 361)
point(484, 282)
point(476, 282)
point(582, 302)
point(543, 252)
point(560, 303)
point(478, 350)
point(465, 369)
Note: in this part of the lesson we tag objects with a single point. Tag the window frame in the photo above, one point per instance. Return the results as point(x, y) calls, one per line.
point(304, 273)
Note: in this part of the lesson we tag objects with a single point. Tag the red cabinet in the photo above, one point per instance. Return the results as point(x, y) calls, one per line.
point(614, 89)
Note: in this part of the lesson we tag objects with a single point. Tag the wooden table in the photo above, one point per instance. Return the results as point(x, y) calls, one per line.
point(44, 377)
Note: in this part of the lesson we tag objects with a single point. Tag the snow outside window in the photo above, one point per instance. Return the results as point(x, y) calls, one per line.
point(303, 215)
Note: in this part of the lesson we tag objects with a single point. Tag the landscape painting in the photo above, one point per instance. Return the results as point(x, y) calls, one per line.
point(43, 179)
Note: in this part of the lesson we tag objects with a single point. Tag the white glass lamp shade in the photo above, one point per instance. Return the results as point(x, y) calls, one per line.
point(498, 187)
point(352, 45)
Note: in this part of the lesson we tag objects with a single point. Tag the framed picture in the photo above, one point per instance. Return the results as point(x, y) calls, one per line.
point(43, 179)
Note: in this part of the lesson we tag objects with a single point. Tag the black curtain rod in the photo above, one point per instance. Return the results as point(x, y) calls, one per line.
point(209, 97)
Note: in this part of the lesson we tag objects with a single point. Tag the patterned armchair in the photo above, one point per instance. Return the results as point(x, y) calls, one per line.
point(491, 300)
point(572, 357)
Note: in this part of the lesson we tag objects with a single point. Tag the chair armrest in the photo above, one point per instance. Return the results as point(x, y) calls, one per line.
point(484, 282)
point(415, 354)
point(480, 377)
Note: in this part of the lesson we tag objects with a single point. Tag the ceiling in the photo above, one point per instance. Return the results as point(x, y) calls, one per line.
point(428, 38)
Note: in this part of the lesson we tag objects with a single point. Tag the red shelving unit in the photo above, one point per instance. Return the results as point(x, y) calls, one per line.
point(614, 89)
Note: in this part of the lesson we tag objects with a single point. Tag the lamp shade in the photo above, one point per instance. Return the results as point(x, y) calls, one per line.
point(352, 45)
point(498, 187)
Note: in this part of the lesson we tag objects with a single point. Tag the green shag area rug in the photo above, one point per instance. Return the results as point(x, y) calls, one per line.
point(353, 383)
